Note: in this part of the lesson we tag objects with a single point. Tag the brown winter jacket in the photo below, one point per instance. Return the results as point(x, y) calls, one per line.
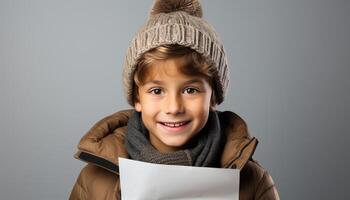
point(104, 143)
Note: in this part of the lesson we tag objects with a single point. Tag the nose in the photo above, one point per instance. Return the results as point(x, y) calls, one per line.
point(174, 104)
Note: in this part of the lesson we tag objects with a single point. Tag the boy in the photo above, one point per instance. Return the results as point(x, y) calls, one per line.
point(175, 74)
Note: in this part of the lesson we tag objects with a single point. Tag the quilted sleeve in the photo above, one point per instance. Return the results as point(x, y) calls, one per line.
point(266, 189)
point(79, 191)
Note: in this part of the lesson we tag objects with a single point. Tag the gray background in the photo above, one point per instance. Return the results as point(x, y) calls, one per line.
point(61, 72)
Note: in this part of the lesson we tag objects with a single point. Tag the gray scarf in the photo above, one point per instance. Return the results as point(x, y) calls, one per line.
point(203, 150)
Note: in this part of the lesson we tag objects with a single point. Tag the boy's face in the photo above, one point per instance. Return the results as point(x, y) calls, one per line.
point(174, 107)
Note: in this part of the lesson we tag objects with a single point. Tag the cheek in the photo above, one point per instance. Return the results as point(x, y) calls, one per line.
point(202, 103)
point(203, 107)
point(200, 108)
point(144, 102)
point(149, 108)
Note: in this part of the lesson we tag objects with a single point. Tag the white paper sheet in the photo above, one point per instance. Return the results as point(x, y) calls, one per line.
point(147, 181)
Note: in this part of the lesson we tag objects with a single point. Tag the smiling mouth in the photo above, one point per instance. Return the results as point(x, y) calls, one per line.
point(174, 124)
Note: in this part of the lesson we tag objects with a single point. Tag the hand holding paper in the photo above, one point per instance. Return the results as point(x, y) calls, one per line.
point(147, 181)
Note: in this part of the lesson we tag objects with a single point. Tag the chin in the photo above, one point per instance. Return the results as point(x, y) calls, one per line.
point(175, 144)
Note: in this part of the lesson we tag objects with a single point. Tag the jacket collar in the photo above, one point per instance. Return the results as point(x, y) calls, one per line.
point(104, 142)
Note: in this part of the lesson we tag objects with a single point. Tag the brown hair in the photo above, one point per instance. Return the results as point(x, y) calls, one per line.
point(193, 64)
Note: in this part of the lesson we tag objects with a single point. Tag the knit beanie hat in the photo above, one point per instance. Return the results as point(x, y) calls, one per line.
point(177, 22)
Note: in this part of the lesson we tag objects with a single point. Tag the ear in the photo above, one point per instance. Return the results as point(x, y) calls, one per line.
point(138, 106)
point(212, 107)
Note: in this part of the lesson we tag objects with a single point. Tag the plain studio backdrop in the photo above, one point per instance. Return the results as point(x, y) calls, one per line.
point(60, 72)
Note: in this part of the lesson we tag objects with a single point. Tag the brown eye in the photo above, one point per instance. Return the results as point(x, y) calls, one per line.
point(190, 90)
point(156, 91)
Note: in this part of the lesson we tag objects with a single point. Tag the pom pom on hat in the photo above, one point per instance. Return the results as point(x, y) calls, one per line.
point(192, 7)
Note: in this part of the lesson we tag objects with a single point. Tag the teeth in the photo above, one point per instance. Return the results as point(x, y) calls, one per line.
point(176, 124)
